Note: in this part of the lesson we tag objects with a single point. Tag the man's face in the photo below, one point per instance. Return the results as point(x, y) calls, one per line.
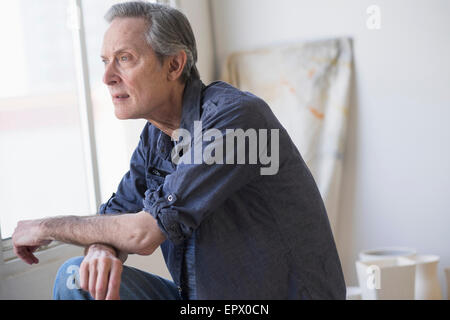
point(135, 78)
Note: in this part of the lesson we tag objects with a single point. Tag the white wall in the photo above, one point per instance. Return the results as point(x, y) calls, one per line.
point(198, 13)
point(397, 161)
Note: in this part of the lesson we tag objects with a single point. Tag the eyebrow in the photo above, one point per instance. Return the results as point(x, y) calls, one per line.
point(117, 51)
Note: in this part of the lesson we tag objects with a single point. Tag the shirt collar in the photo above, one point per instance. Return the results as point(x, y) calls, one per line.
point(191, 104)
point(190, 113)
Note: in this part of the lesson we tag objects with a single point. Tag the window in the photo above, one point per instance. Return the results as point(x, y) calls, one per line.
point(42, 168)
point(51, 94)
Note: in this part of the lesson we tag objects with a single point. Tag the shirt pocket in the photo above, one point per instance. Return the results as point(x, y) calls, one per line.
point(155, 177)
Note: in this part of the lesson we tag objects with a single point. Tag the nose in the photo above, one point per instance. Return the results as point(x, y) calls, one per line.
point(110, 77)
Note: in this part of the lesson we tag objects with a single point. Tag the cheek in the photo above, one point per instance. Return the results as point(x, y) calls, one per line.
point(134, 85)
point(144, 86)
point(148, 89)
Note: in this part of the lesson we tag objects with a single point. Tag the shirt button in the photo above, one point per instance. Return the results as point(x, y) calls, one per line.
point(170, 197)
point(179, 289)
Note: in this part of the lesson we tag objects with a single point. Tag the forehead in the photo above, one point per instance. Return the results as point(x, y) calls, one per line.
point(125, 33)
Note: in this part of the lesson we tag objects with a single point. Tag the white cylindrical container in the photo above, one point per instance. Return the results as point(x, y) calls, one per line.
point(427, 282)
point(386, 279)
point(447, 278)
point(353, 293)
point(386, 253)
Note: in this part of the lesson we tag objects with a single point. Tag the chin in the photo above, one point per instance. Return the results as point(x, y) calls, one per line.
point(121, 114)
point(121, 117)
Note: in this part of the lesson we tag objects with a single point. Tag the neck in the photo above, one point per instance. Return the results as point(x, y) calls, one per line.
point(169, 119)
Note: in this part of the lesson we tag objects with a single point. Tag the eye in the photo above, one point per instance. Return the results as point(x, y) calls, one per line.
point(124, 58)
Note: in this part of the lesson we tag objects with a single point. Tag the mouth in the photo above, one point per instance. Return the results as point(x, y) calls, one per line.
point(120, 97)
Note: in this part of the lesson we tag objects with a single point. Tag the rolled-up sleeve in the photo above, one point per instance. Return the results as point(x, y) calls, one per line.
point(194, 190)
point(167, 215)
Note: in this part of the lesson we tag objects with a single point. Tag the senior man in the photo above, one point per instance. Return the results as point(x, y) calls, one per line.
point(229, 226)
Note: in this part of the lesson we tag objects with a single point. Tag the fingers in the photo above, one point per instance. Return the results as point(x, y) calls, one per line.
point(84, 275)
point(26, 254)
point(100, 275)
point(92, 278)
point(102, 279)
point(31, 255)
point(114, 281)
point(30, 252)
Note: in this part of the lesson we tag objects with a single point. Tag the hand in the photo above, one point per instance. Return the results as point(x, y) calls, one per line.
point(27, 238)
point(100, 272)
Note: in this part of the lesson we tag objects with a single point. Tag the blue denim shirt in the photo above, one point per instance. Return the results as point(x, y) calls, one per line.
point(252, 236)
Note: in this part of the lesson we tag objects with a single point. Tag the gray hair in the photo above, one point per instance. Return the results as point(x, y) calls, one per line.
point(169, 31)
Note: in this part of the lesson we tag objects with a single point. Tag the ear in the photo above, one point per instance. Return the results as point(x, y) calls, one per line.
point(176, 65)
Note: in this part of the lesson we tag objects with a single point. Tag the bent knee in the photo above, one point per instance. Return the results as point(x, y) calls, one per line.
point(67, 278)
point(69, 265)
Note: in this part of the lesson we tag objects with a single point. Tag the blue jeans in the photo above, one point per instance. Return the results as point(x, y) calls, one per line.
point(135, 284)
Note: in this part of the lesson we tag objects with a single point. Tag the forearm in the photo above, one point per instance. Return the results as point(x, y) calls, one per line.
point(130, 233)
point(84, 231)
